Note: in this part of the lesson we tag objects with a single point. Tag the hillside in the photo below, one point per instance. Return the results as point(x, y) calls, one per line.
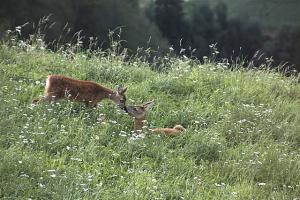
point(242, 139)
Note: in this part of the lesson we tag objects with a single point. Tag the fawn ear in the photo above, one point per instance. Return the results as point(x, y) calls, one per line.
point(179, 127)
point(148, 105)
point(121, 89)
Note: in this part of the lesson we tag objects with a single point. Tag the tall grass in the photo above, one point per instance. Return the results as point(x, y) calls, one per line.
point(242, 139)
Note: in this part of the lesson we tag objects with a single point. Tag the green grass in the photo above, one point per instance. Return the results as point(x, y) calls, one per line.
point(242, 139)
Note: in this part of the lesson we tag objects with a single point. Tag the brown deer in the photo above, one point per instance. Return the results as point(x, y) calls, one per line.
point(88, 92)
point(138, 113)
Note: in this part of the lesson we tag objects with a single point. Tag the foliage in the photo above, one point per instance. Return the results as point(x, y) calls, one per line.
point(285, 46)
point(238, 29)
point(169, 17)
point(92, 18)
point(209, 26)
point(206, 23)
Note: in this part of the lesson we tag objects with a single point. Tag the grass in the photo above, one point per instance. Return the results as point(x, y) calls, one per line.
point(242, 139)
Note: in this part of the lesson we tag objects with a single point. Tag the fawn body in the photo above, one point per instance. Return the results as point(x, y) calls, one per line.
point(176, 130)
point(138, 113)
point(89, 92)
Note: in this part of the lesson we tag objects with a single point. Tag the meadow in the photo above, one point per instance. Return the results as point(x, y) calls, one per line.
point(242, 139)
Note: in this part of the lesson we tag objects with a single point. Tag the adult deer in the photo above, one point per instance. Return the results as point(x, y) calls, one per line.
point(138, 113)
point(88, 92)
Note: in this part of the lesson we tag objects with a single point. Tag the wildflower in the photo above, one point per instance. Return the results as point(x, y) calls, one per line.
point(76, 159)
point(90, 178)
point(99, 184)
point(24, 175)
point(219, 185)
point(261, 184)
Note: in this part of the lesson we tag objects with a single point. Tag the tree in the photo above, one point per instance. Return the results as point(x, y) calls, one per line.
point(169, 17)
point(95, 18)
point(284, 46)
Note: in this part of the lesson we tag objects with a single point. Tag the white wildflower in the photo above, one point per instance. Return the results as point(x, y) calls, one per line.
point(261, 184)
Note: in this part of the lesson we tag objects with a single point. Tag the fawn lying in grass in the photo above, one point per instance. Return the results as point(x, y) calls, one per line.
point(62, 87)
point(138, 112)
point(176, 130)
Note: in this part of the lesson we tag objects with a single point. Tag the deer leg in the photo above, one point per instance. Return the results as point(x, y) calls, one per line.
point(40, 100)
point(91, 104)
point(47, 98)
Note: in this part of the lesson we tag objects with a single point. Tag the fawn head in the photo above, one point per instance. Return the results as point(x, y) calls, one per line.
point(119, 97)
point(179, 128)
point(139, 112)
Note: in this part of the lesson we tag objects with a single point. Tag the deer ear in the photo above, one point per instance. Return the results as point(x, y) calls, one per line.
point(148, 105)
point(124, 89)
point(121, 89)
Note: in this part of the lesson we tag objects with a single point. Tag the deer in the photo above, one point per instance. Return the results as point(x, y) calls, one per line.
point(138, 113)
point(89, 92)
point(176, 130)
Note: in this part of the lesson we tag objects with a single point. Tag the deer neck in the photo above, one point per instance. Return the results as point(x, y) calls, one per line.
point(138, 124)
point(109, 94)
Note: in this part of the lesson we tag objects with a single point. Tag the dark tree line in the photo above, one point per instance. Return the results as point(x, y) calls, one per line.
point(95, 18)
point(185, 25)
point(196, 25)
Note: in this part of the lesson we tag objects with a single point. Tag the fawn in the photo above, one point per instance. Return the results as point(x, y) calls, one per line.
point(138, 112)
point(88, 92)
point(176, 130)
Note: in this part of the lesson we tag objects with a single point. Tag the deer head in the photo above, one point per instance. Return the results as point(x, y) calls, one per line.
point(179, 128)
point(138, 112)
point(119, 97)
